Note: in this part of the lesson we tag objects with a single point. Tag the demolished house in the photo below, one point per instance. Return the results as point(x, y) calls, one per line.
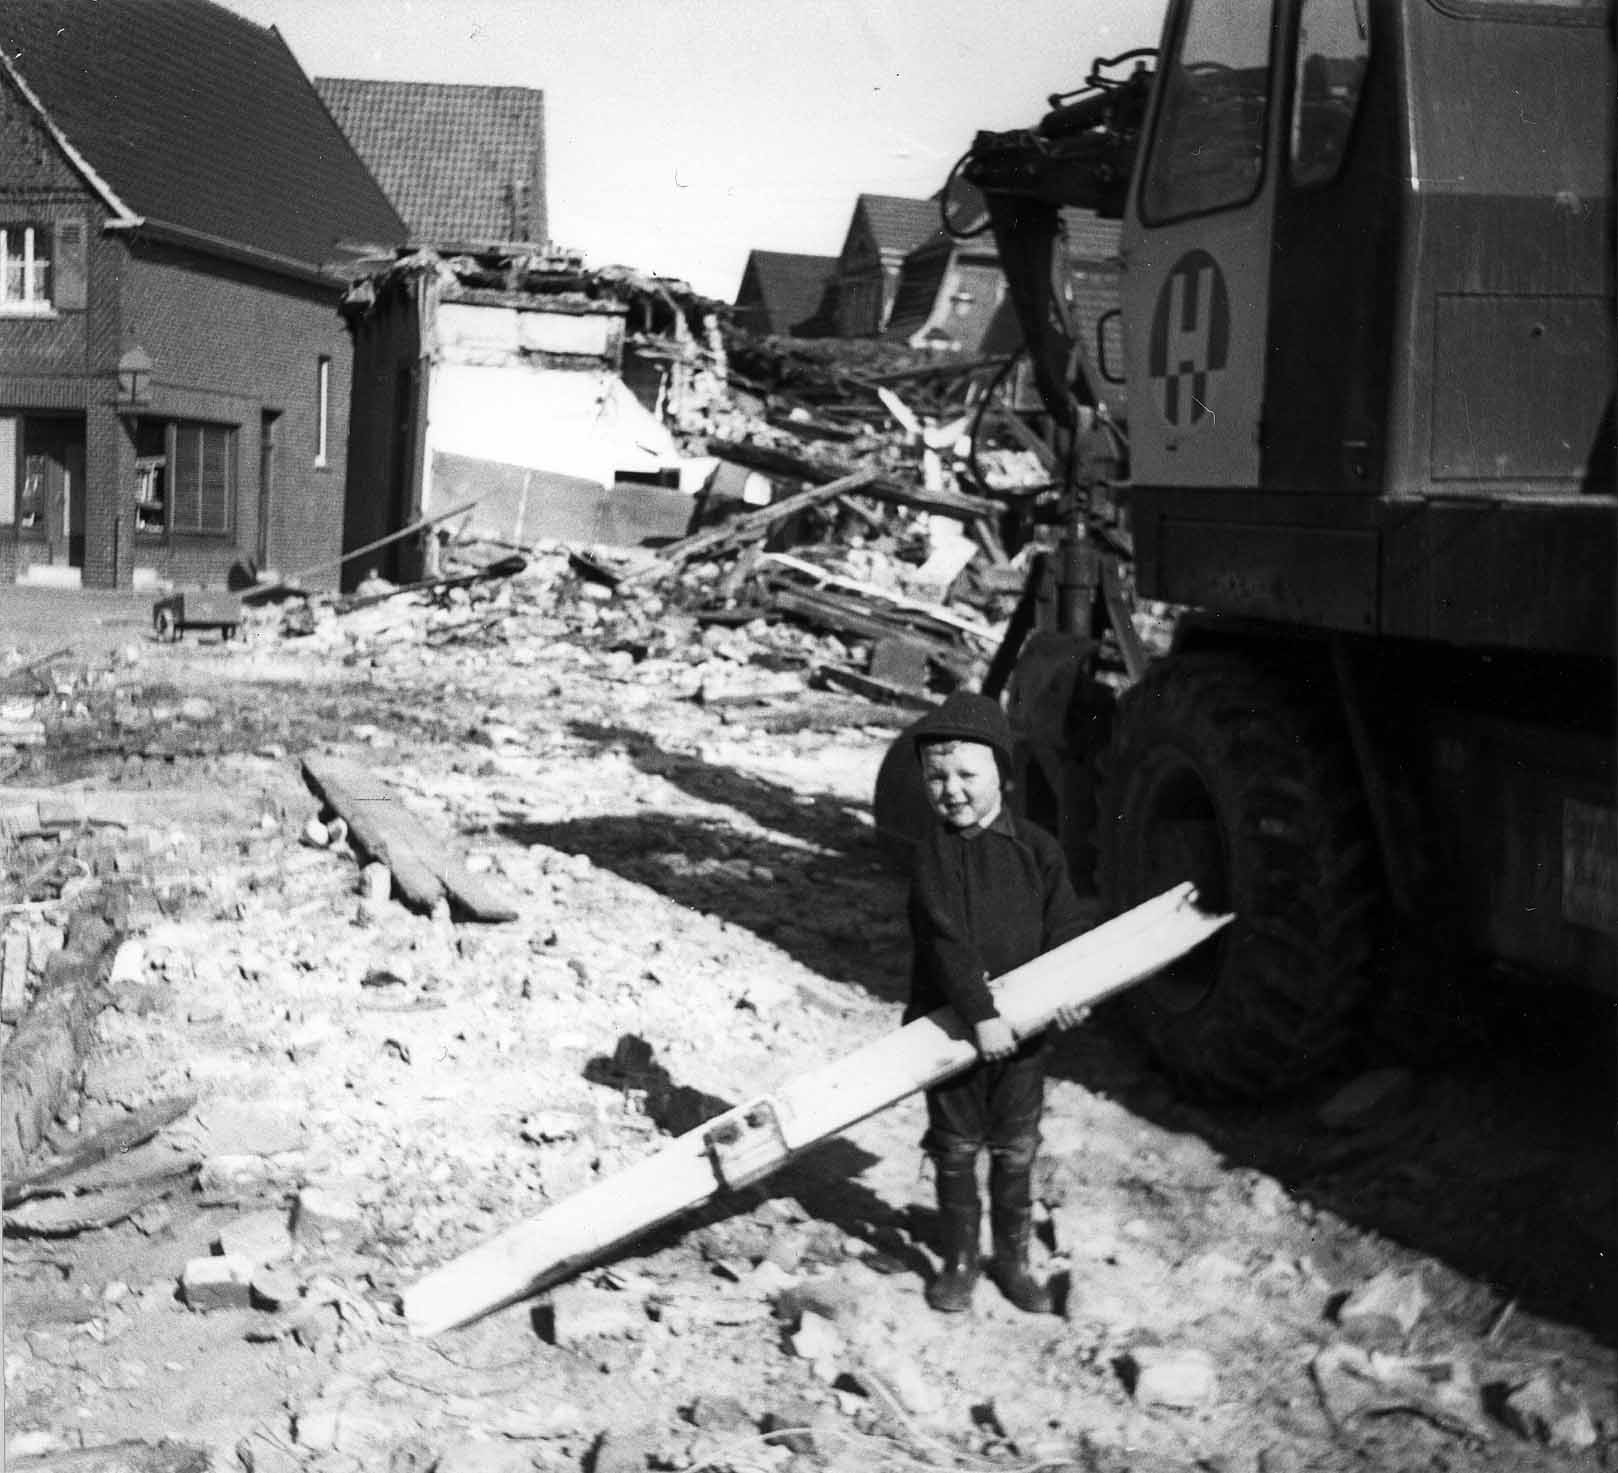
point(511, 396)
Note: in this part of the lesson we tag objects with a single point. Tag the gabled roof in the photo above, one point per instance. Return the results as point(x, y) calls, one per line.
point(780, 289)
point(460, 163)
point(919, 280)
point(896, 224)
point(198, 122)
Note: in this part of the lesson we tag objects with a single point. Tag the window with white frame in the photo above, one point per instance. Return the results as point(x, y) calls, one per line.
point(322, 412)
point(25, 268)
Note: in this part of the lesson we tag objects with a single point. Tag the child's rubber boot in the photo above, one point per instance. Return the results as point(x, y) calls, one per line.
point(960, 1214)
point(1011, 1275)
point(1011, 1216)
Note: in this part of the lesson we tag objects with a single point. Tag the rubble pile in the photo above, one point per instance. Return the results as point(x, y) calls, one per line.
point(306, 1087)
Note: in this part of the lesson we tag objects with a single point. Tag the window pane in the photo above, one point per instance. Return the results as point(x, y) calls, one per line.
point(188, 478)
point(1208, 151)
point(215, 479)
point(1333, 44)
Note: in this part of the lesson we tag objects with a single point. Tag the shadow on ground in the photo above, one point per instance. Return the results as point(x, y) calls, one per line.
point(824, 1179)
point(1498, 1162)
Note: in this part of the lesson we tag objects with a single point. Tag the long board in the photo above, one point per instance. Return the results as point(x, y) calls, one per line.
point(744, 1144)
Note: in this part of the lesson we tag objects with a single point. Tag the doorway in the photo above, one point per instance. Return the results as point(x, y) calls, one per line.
point(51, 507)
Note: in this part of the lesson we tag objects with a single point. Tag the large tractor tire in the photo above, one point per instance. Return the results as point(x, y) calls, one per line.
point(1224, 773)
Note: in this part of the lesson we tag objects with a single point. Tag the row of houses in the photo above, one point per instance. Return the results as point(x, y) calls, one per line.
point(182, 210)
point(902, 276)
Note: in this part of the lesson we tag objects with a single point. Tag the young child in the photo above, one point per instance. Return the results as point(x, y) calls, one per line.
point(990, 892)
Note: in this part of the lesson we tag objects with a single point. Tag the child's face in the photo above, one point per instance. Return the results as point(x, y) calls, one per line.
point(962, 781)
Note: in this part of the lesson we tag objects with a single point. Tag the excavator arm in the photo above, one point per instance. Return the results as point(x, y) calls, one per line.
point(1080, 155)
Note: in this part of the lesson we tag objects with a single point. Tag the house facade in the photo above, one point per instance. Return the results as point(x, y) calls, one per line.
point(174, 372)
point(883, 230)
point(463, 165)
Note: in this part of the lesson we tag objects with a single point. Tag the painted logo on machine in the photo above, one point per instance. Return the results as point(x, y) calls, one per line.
point(1190, 339)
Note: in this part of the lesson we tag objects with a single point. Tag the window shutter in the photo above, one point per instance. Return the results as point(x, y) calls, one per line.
point(70, 265)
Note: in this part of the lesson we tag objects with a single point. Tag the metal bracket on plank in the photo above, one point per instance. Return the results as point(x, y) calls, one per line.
point(746, 1144)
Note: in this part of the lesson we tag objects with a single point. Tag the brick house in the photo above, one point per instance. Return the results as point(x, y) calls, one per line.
point(784, 292)
point(175, 207)
point(952, 297)
point(883, 230)
point(463, 165)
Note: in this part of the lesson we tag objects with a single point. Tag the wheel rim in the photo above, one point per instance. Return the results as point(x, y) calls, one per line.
point(1179, 836)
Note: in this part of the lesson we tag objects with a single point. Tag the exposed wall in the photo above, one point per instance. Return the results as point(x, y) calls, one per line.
point(229, 344)
point(381, 486)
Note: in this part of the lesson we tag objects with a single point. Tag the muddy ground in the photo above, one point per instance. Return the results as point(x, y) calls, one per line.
point(704, 911)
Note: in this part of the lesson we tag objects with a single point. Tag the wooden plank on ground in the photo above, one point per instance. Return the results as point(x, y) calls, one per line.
point(880, 488)
point(44, 1057)
point(423, 870)
point(749, 527)
point(62, 1217)
point(116, 1140)
point(740, 1146)
point(118, 1457)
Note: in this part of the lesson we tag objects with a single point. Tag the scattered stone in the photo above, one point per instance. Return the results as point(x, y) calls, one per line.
point(376, 882)
point(1546, 1409)
point(225, 1174)
point(275, 1288)
point(194, 708)
point(315, 834)
point(1183, 1379)
point(581, 1311)
point(315, 1325)
point(1383, 1310)
point(619, 1452)
point(1367, 1100)
point(481, 1456)
point(817, 1340)
point(32, 1444)
point(259, 1237)
point(13, 976)
point(905, 1381)
point(325, 1215)
point(315, 1426)
point(218, 1282)
point(720, 1414)
point(1267, 1197)
point(128, 962)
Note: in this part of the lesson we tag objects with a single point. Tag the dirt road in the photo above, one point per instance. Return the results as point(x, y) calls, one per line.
point(703, 911)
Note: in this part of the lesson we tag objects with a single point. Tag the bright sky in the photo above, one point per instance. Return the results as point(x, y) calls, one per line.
point(684, 133)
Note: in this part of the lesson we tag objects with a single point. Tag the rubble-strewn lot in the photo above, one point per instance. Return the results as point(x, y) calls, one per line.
point(325, 1093)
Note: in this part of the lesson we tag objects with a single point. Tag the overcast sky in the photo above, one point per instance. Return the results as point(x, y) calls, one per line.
point(683, 133)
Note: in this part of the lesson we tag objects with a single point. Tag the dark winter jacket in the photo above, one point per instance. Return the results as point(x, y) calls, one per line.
point(982, 902)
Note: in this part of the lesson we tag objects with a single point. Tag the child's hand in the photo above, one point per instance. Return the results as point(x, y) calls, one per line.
point(1072, 1016)
point(994, 1038)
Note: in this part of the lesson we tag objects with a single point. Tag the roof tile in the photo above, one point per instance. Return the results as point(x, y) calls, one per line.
point(199, 119)
point(462, 164)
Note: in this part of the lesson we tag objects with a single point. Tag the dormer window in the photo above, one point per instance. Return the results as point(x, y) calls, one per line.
point(25, 268)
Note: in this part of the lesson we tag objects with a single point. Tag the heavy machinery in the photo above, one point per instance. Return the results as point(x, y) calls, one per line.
point(1367, 330)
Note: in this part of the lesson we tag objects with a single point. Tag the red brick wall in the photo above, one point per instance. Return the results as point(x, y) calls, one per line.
point(228, 344)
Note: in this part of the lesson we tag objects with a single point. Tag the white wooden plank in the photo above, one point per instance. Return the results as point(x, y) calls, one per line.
point(536, 1254)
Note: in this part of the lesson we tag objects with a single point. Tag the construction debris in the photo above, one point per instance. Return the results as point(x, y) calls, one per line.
point(381, 827)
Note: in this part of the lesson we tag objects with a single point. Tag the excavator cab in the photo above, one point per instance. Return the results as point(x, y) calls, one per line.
point(1367, 306)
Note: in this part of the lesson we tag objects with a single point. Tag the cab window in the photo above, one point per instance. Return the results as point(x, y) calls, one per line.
point(1208, 146)
point(1334, 44)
